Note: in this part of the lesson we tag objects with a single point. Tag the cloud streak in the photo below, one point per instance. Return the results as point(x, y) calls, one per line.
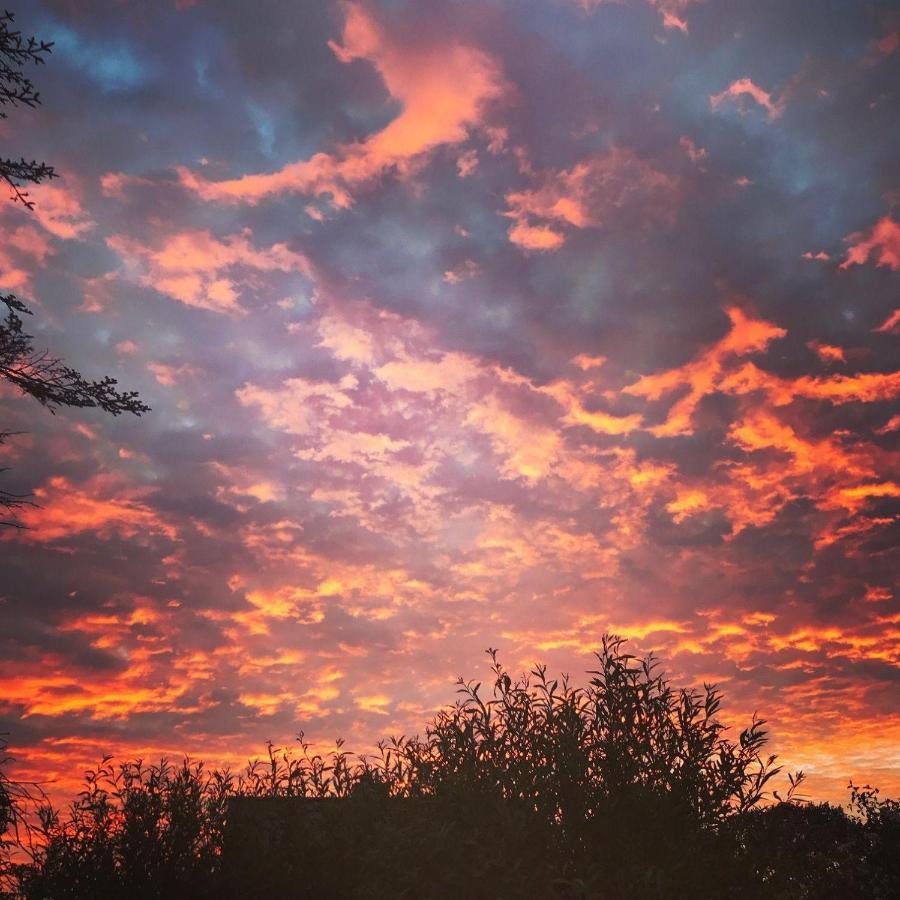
point(442, 89)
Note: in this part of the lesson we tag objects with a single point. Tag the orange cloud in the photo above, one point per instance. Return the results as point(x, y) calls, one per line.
point(58, 694)
point(686, 503)
point(891, 325)
point(535, 237)
point(567, 395)
point(701, 376)
point(443, 90)
point(866, 387)
point(833, 475)
point(103, 506)
point(760, 430)
point(827, 353)
point(526, 450)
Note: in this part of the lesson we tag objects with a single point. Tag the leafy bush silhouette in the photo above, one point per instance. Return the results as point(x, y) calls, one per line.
point(535, 788)
point(816, 851)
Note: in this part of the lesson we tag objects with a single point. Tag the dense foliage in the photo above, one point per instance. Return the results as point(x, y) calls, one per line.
point(625, 788)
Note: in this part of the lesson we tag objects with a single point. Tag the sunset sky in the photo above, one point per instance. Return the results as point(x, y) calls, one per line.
point(463, 324)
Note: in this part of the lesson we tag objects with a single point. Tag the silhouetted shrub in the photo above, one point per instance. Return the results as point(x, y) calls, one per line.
point(624, 788)
point(816, 851)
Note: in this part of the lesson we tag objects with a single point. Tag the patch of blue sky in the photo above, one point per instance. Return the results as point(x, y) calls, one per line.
point(298, 303)
point(413, 241)
point(111, 63)
point(615, 44)
point(798, 163)
point(368, 118)
point(201, 72)
point(586, 292)
point(264, 123)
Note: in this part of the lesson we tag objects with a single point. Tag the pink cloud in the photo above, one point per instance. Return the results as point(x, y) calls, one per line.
point(446, 405)
point(745, 87)
point(127, 348)
point(199, 269)
point(673, 12)
point(882, 242)
point(467, 163)
point(595, 192)
point(23, 251)
point(298, 402)
point(115, 184)
point(443, 89)
point(585, 361)
point(466, 269)
point(695, 154)
point(97, 293)
point(58, 208)
point(170, 376)
point(26, 236)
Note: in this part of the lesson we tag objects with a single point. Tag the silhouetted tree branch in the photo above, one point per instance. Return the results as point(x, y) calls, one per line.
point(33, 371)
point(9, 501)
point(17, 89)
point(20, 804)
point(48, 379)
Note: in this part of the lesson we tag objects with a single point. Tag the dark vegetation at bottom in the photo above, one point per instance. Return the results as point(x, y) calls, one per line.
point(627, 788)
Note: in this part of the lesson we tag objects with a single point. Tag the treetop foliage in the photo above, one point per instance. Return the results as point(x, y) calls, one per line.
point(626, 788)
